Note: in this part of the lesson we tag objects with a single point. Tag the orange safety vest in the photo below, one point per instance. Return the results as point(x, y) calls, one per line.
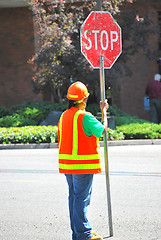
point(78, 154)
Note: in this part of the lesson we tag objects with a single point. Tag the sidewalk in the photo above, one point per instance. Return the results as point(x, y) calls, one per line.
point(55, 145)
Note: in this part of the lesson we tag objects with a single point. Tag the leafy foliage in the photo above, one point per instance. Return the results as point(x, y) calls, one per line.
point(4, 112)
point(28, 134)
point(119, 121)
point(16, 128)
point(122, 118)
point(93, 108)
point(141, 131)
point(39, 134)
point(114, 135)
point(60, 58)
point(28, 114)
point(33, 113)
point(16, 120)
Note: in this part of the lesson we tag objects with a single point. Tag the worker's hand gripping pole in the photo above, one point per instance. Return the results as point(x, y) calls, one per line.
point(102, 91)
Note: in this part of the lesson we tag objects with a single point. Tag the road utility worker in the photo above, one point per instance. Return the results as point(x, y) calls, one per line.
point(79, 156)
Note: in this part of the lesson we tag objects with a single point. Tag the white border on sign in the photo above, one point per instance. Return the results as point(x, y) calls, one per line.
point(81, 38)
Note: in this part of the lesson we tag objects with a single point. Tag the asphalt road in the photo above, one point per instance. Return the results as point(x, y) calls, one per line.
point(33, 195)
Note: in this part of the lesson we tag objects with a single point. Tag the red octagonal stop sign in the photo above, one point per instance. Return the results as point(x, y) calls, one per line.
point(101, 37)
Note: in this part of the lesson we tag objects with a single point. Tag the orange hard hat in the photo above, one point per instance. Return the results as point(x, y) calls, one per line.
point(77, 91)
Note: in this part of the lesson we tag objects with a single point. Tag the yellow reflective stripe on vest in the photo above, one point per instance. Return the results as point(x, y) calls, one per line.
point(60, 129)
point(79, 157)
point(79, 166)
point(74, 155)
point(75, 134)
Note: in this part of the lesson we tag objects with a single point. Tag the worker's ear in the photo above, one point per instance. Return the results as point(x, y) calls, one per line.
point(84, 102)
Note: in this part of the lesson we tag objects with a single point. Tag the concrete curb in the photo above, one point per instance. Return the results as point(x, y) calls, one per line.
point(55, 145)
point(28, 146)
point(134, 142)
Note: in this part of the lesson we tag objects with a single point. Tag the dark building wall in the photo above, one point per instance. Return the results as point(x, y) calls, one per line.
point(16, 47)
point(131, 90)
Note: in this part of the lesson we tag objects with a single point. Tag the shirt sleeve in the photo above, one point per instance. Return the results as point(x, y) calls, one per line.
point(92, 126)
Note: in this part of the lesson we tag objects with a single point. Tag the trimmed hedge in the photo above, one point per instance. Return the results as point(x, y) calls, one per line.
point(114, 135)
point(141, 131)
point(48, 134)
point(29, 134)
point(39, 134)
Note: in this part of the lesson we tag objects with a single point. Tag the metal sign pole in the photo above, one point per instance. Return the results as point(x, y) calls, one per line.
point(102, 91)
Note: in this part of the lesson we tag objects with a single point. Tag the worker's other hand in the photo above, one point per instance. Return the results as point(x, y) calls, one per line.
point(104, 105)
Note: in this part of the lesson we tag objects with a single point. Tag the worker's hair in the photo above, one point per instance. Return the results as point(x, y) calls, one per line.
point(71, 103)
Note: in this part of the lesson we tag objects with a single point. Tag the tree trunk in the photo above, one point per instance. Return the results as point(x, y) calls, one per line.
point(99, 5)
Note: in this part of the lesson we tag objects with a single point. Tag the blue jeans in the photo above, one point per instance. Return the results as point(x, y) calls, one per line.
point(80, 189)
